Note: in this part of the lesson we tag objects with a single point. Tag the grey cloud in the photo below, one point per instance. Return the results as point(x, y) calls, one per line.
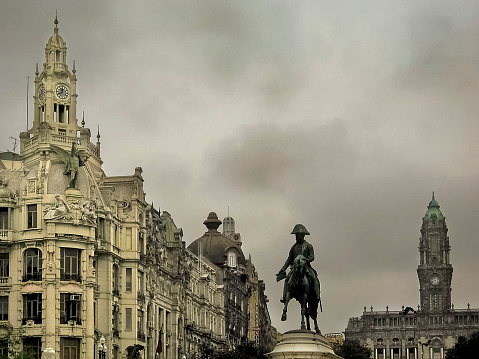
point(267, 157)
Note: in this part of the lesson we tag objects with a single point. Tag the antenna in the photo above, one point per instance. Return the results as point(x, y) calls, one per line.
point(28, 80)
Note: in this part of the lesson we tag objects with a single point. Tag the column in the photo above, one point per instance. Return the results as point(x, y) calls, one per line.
point(90, 319)
point(49, 297)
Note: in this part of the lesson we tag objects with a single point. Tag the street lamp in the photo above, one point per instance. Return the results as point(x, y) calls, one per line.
point(424, 345)
point(48, 353)
point(102, 348)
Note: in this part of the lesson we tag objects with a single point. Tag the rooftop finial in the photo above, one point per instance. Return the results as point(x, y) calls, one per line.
point(83, 119)
point(433, 195)
point(56, 23)
point(98, 135)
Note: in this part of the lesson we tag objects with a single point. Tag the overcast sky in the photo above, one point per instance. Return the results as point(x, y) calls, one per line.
point(343, 116)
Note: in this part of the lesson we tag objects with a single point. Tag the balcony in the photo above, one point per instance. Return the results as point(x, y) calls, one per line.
point(70, 277)
point(70, 320)
point(36, 320)
point(36, 276)
point(4, 281)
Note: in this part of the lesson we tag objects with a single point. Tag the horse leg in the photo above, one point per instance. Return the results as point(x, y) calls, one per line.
point(308, 327)
point(303, 310)
point(285, 308)
point(316, 328)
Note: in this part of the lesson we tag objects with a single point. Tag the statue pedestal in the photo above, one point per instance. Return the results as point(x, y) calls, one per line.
point(72, 193)
point(302, 344)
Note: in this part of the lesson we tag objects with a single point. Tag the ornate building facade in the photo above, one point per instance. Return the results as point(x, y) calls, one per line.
point(83, 256)
point(245, 303)
point(435, 326)
point(260, 328)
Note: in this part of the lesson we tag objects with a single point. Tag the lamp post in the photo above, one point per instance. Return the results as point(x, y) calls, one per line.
point(48, 353)
point(102, 348)
point(424, 345)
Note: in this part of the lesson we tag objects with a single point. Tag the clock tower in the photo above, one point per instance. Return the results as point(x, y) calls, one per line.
point(55, 106)
point(434, 270)
point(55, 90)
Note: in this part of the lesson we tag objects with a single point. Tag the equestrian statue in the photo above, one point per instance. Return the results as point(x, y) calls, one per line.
point(301, 282)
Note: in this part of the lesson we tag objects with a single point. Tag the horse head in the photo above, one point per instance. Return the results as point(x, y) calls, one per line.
point(299, 266)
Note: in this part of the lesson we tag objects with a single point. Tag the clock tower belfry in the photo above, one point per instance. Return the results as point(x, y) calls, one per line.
point(434, 270)
point(55, 89)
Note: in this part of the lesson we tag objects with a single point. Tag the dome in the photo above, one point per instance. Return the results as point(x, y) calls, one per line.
point(56, 48)
point(215, 246)
point(433, 210)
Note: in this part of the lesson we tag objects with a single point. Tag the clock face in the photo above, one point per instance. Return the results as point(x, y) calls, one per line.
point(434, 280)
point(62, 91)
point(41, 93)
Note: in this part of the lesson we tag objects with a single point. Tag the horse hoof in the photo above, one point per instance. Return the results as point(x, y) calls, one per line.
point(283, 317)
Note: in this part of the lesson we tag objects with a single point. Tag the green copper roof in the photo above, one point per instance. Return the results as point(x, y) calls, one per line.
point(433, 209)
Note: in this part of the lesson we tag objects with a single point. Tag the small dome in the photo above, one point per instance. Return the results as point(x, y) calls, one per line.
point(214, 245)
point(433, 210)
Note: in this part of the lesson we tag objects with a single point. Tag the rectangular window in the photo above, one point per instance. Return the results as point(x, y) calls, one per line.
point(32, 216)
point(141, 243)
point(3, 308)
point(115, 234)
point(115, 281)
point(115, 319)
point(69, 348)
point(32, 265)
point(3, 219)
point(70, 261)
point(4, 266)
point(380, 354)
point(140, 324)
point(128, 319)
point(33, 346)
point(70, 308)
point(412, 353)
point(100, 231)
point(140, 282)
point(128, 284)
point(395, 353)
point(32, 307)
point(3, 348)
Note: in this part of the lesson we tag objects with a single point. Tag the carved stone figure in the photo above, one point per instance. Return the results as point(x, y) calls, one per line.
point(301, 283)
point(58, 210)
point(88, 211)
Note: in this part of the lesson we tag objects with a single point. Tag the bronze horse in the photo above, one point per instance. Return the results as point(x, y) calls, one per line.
point(300, 288)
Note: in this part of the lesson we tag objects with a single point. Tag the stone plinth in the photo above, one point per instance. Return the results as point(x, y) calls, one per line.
point(303, 344)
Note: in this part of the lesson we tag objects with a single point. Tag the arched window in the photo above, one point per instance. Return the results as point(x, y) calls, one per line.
point(232, 259)
point(32, 264)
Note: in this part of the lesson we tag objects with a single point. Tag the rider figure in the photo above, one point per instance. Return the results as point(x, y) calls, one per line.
point(306, 249)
